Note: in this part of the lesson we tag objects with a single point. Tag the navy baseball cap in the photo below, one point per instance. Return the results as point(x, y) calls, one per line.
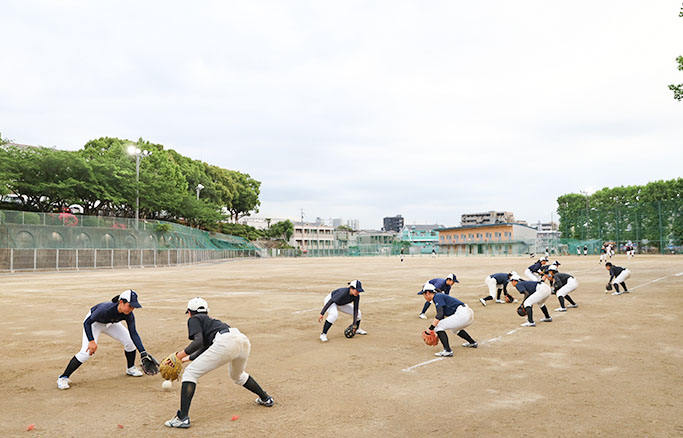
point(356, 285)
point(428, 287)
point(131, 297)
point(452, 277)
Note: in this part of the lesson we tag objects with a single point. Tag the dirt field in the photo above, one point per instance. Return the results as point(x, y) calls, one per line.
point(611, 367)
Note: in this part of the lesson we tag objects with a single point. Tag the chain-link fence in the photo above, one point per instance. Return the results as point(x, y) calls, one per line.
point(651, 228)
point(61, 241)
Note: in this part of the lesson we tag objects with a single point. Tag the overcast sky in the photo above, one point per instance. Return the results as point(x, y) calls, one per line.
point(362, 109)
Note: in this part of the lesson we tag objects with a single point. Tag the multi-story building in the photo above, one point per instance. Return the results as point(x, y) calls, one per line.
point(423, 238)
point(309, 236)
point(547, 237)
point(487, 218)
point(496, 239)
point(394, 223)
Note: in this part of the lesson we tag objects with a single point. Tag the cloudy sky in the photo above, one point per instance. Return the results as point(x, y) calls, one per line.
point(362, 109)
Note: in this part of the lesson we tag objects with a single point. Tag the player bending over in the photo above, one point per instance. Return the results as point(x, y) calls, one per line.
point(532, 272)
point(214, 343)
point(106, 318)
point(534, 293)
point(344, 299)
point(442, 285)
point(451, 314)
point(498, 283)
point(562, 283)
point(617, 276)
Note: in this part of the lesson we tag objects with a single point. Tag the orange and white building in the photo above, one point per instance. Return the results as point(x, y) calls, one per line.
point(489, 239)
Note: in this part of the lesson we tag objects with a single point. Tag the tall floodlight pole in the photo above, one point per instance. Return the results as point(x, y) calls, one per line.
point(134, 150)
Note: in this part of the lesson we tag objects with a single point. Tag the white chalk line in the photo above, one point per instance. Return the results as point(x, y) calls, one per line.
point(318, 308)
point(409, 369)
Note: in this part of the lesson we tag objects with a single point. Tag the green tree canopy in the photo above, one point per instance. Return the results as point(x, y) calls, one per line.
point(101, 177)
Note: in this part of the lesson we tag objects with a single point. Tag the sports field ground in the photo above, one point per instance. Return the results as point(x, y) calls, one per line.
point(611, 367)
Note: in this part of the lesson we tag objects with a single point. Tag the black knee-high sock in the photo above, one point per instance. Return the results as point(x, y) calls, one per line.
point(623, 284)
point(616, 287)
point(71, 367)
point(489, 298)
point(186, 394)
point(327, 326)
point(358, 324)
point(570, 300)
point(561, 300)
point(466, 336)
point(130, 357)
point(529, 313)
point(426, 306)
point(254, 387)
point(498, 294)
point(545, 311)
point(443, 337)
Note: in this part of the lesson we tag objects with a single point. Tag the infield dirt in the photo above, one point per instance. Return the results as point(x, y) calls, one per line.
point(611, 367)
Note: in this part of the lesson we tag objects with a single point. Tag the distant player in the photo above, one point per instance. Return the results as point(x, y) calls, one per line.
point(214, 344)
point(618, 276)
point(578, 251)
point(442, 285)
point(106, 318)
point(344, 299)
point(401, 254)
point(451, 314)
point(532, 272)
point(562, 284)
point(585, 250)
point(433, 253)
point(497, 283)
point(603, 254)
point(534, 293)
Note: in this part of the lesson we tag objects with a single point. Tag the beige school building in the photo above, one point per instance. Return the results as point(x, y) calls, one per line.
point(493, 239)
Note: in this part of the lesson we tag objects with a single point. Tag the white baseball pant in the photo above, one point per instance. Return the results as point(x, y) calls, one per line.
point(539, 297)
point(493, 286)
point(232, 348)
point(463, 317)
point(625, 275)
point(333, 310)
point(571, 285)
point(531, 275)
point(114, 329)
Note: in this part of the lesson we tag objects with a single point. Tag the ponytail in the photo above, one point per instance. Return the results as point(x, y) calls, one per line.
point(115, 299)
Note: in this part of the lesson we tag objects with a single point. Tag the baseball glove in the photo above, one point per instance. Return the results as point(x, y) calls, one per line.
point(171, 367)
point(609, 286)
point(149, 365)
point(350, 331)
point(430, 338)
point(508, 298)
point(521, 311)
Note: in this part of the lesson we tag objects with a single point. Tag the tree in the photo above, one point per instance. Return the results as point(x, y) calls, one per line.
point(678, 89)
point(282, 230)
point(246, 196)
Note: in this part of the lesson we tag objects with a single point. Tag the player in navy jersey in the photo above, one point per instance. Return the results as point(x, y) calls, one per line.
point(214, 343)
point(534, 293)
point(497, 283)
point(451, 314)
point(442, 285)
point(532, 272)
point(618, 276)
point(344, 299)
point(106, 318)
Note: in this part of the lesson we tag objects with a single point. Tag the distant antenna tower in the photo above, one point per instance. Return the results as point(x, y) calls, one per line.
point(302, 215)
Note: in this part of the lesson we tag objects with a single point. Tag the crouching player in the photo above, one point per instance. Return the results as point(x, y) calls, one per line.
point(451, 314)
point(214, 343)
point(534, 293)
